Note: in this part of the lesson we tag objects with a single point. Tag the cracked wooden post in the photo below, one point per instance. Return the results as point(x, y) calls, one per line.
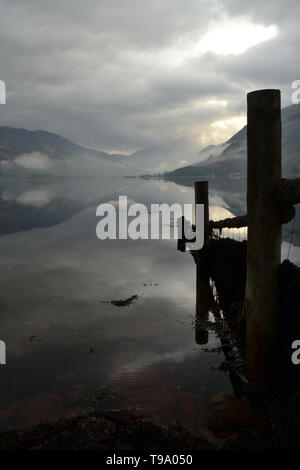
point(203, 289)
point(264, 232)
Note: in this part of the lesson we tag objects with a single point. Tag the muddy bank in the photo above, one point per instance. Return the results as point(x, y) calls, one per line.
point(106, 430)
point(237, 424)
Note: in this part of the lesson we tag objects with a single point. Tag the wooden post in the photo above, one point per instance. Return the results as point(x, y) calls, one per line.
point(202, 274)
point(264, 232)
point(181, 242)
point(201, 197)
point(203, 290)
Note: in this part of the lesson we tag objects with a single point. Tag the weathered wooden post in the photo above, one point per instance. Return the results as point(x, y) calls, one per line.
point(202, 278)
point(203, 289)
point(181, 242)
point(264, 232)
point(201, 197)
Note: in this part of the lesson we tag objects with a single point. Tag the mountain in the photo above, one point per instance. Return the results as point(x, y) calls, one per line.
point(27, 153)
point(231, 157)
point(161, 158)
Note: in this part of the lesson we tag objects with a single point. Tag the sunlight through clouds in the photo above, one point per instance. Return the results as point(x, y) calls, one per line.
point(121, 77)
point(234, 123)
point(235, 37)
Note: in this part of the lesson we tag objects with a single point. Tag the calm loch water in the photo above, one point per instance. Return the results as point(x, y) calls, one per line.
point(68, 347)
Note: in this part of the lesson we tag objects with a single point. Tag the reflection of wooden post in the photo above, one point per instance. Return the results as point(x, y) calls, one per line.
point(203, 302)
point(264, 231)
point(203, 289)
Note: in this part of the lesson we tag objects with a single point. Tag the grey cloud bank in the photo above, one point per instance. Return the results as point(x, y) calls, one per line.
point(121, 76)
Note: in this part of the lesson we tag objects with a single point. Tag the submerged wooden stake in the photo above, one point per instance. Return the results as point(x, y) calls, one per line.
point(264, 232)
point(203, 290)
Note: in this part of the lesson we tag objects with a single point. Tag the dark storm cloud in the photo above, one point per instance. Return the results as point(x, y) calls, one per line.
point(117, 75)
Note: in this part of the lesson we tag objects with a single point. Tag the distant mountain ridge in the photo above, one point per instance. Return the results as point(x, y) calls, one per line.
point(230, 158)
point(159, 158)
point(24, 153)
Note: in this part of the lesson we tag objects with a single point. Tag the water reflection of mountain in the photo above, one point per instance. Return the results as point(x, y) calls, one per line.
point(25, 205)
point(28, 205)
point(65, 335)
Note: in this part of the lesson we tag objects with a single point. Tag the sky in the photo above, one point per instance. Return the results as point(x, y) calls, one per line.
point(120, 75)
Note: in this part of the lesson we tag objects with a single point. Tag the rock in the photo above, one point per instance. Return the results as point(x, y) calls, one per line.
point(227, 413)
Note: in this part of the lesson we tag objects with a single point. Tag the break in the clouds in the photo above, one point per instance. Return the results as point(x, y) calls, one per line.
point(123, 75)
